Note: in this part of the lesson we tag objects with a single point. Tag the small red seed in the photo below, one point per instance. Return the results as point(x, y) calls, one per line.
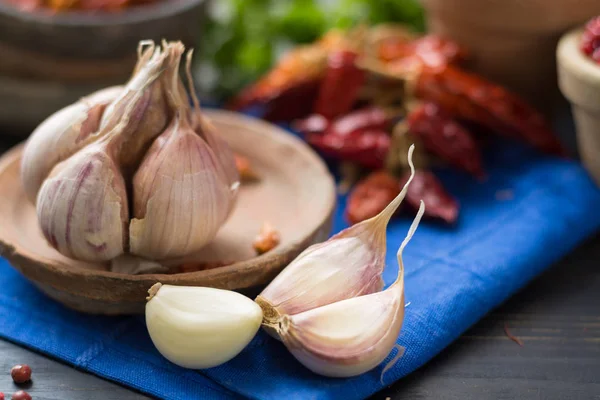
point(21, 373)
point(21, 395)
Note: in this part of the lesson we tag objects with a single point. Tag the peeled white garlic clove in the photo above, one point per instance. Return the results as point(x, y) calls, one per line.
point(347, 265)
point(61, 135)
point(352, 336)
point(82, 207)
point(199, 327)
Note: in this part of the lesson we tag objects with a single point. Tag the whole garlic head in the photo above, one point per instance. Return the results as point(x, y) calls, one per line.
point(90, 168)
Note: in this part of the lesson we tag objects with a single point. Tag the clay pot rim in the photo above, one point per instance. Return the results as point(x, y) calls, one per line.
point(149, 12)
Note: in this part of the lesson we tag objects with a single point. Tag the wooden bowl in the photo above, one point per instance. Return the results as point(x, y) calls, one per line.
point(49, 61)
point(296, 194)
point(579, 81)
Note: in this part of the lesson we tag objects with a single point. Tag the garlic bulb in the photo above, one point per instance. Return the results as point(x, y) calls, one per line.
point(199, 327)
point(91, 167)
point(327, 305)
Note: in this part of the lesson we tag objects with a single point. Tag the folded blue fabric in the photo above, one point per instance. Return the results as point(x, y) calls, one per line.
point(531, 211)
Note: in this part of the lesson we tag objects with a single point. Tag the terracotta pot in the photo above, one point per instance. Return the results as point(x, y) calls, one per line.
point(579, 81)
point(49, 61)
point(512, 42)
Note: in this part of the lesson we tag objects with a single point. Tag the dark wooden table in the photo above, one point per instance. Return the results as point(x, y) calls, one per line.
point(557, 317)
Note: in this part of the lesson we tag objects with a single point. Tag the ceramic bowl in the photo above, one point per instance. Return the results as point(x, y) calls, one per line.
point(579, 81)
point(295, 194)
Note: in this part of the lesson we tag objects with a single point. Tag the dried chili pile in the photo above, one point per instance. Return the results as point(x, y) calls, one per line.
point(363, 96)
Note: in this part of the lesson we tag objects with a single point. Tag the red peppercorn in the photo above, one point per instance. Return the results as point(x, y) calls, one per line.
point(590, 40)
point(21, 395)
point(21, 373)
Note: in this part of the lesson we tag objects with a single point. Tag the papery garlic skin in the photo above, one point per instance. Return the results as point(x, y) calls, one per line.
point(352, 336)
point(140, 113)
point(347, 265)
point(61, 135)
point(199, 327)
point(327, 305)
point(206, 129)
point(346, 338)
point(82, 207)
point(208, 132)
point(178, 207)
point(338, 269)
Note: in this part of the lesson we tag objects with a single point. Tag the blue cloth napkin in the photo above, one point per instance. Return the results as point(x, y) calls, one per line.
point(531, 211)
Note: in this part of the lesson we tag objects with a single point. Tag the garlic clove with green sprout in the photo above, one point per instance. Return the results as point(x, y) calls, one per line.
point(200, 327)
point(61, 135)
point(352, 336)
point(178, 207)
point(347, 265)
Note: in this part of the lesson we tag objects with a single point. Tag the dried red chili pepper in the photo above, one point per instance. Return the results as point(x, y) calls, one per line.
point(341, 84)
point(282, 104)
point(294, 102)
point(468, 96)
point(368, 148)
point(445, 138)
point(371, 195)
point(361, 136)
point(289, 90)
point(374, 118)
point(431, 49)
point(314, 123)
point(439, 204)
